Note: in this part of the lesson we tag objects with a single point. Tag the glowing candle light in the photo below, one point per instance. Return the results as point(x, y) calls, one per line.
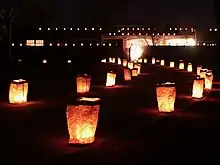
point(119, 61)
point(134, 72)
point(18, 91)
point(198, 87)
point(166, 96)
point(82, 120)
point(181, 65)
point(127, 74)
point(153, 60)
point(172, 64)
point(189, 67)
point(125, 62)
point(130, 65)
point(208, 80)
point(110, 81)
point(83, 83)
point(199, 67)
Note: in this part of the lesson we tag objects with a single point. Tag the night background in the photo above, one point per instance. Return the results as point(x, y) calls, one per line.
point(67, 13)
point(56, 52)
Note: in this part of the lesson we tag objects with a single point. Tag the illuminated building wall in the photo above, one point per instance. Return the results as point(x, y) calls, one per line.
point(137, 45)
point(172, 40)
point(96, 36)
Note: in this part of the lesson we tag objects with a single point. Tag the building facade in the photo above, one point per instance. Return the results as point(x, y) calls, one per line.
point(128, 35)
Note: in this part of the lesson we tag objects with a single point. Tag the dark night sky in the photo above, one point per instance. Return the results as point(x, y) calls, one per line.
point(66, 13)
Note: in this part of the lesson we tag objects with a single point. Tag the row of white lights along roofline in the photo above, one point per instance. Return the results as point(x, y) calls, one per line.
point(29, 44)
point(123, 29)
point(34, 43)
point(93, 29)
point(171, 29)
point(142, 34)
point(45, 61)
point(82, 117)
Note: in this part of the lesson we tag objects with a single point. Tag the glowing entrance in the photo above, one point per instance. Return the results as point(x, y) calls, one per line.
point(136, 52)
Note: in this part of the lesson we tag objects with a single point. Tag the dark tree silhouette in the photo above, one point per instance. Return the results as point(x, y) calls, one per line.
point(154, 38)
point(7, 15)
point(217, 12)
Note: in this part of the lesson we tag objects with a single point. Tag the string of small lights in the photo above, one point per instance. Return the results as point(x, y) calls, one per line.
point(96, 45)
point(67, 44)
point(120, 33)
point(122, 29)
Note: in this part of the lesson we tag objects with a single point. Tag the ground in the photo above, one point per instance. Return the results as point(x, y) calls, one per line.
point(130, 129)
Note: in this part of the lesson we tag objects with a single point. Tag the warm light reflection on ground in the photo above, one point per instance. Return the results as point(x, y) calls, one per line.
point(192, 100)
point(24, 105)
point(216, 82)
point(176, 113)
point(113, 87)
point(57, 144)
point(216, 89)
point(212, 100)
point(145, 74)
point(34, 105)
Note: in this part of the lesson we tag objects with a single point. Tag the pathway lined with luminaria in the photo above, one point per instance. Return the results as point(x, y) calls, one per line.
point(130, 130)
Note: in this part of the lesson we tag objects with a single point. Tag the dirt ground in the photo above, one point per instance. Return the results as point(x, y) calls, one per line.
point(130, 129)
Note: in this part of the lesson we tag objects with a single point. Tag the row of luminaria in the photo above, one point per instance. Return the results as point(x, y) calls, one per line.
point(202, 81)
point(82, 118)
